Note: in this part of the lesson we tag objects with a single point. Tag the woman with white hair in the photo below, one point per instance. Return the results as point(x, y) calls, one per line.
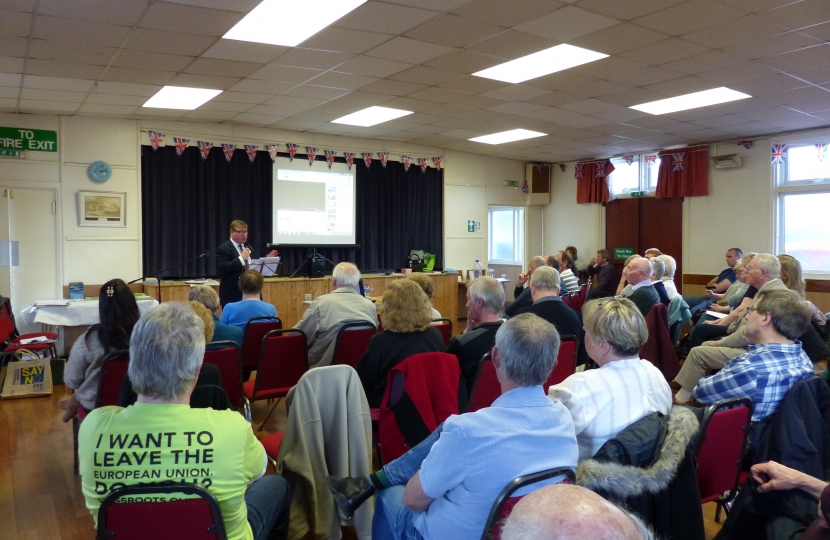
point(668, 275)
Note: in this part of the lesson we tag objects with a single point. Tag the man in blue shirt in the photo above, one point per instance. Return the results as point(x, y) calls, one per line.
point(775, 360)
point(717, 284)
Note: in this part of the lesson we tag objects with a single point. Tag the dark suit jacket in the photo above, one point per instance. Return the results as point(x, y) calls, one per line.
point(523, 299)
point(661, 292)
point(645, 297)
point(470, 347)
point(230, 267)
point(566, 320)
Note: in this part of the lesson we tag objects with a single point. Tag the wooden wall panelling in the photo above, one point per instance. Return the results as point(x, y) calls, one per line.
point(622, 227)
point(661, 227)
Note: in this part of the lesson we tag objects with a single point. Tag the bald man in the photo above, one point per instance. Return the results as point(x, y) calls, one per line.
point(565, 512)
point(644, 296)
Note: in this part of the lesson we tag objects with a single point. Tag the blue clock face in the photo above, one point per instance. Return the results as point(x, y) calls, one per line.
point(100, 171)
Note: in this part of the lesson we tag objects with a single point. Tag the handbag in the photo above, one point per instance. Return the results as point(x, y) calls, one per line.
point(29, 375)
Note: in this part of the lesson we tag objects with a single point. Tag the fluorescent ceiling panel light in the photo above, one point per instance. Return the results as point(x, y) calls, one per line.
point(181, 97)
point(691, 101)
point(508, 136)
point(541, 63)
point(277, 22)
point(371, 116)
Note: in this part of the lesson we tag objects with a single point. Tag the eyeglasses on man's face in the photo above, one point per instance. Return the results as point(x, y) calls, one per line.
point(241, 232)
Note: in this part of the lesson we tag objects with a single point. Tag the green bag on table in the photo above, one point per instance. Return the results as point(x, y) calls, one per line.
point(429, 262)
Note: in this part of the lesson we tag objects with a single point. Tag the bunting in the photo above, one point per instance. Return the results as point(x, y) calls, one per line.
point(629, 159)
point(822, 150)
point(349, 158)
point(600, 168)
point(779, 153)
point(204, 148)
point(156, 139)
point(423, 162)
point(407, 161)
point(746, 144)
point(228, 150)
point(384, 157)
point(251, 150)
point(292, 150)
point(525, 188)
point(651, 160)
point(330, 155)
point(367, 159)
point(180, 144)
point(579, 171)
point(311, 153)
point(438, 162)
point(539, 167)
point(272, 150)
point(678, 161)
point(562, 167)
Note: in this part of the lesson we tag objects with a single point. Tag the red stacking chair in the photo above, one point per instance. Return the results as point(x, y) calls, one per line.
point(10, 335)
point(225, 356)
point(487, 387)
point(445, 327)
point(198, 518)
point(659, 349)
point(578, 299)
point(283, 360)
point(352, 341)
point(505, 502)
point(565, 361)
point(255, 330)
point(720, 449)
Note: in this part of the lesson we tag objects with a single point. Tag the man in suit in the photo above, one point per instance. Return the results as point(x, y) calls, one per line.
point(232, 258)
point(639, 277)
point(606, 275)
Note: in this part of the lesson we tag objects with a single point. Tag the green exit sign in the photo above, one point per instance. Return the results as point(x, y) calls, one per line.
point(512, 183)
point(638, 193)
point(17, 139)
point(622, 254)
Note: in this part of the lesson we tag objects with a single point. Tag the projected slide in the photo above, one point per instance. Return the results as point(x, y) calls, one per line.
point(313, 205)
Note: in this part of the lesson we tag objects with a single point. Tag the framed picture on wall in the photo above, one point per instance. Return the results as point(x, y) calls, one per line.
point(102, 209)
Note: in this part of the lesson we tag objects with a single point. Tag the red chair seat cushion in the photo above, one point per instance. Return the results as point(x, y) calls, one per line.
point(248, 387)
point(45, 335)
point(30, 346)
point(82, 412)
point(272, 443)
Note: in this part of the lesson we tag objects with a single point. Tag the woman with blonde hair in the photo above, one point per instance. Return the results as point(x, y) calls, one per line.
point(407, 315)
point(792, 277)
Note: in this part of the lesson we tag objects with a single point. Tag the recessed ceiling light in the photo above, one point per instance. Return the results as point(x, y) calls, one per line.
point(541, 63)
point(691, 101)
point(371, 116)
point(181, 97)
point(277, 22)
point(508, 136)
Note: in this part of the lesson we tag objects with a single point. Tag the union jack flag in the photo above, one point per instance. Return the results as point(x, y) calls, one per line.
point(525, 188)
point(311, 153)
point(251, 150)
point(678, 161)
point(204, 148)
point(228, 150)
point(651, 159)
point(384, 157)
point(156, 139)
point(272, 149)
point(562, 167)
point(180, 144)
point(822, 150)
point(292, 150)
point(579, 171)
point(600, 169)
point(407, 161)
point(330, 155)
point(746, 144)
point(422, 161)
point(629, 159)
point(539, 167)
point(367, 159)
point(779, 153)
point(349, 158)
point(438, 162)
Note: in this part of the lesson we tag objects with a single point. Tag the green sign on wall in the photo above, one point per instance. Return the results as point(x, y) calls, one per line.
point(39, 140)
point(621, 254)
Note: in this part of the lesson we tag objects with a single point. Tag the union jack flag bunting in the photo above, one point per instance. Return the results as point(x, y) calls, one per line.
point(651, 159)
point(822, 150)
point(311, 153)
point(292, 150)
point(384, 157)
point(407, 161)
point(251, 150)
point(746, 144)
point(562, 167)
point(272, 150)
point(525, 187)
point(228, 150)
point(629, 159)
point(367, 159)
point(181, 145)
point(156, 139)
point(422, 161)
point(539, 167)
point(438, 162)
point(779, 153)
point(349, 158)
point(600, 169)
point(330, 155)
point(204, 148)
point(579, 171)
point(678, 161)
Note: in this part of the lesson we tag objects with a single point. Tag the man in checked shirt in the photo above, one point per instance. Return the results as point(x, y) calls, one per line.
point(775, 360)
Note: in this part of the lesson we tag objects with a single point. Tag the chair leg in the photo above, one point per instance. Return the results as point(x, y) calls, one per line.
point(267, 416)
point(75, 427)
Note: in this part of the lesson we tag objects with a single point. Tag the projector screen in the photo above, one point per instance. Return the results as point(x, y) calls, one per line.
point(313, 205)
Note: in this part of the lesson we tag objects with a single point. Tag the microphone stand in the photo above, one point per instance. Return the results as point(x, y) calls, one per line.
point(158, 273)
point(314, 255)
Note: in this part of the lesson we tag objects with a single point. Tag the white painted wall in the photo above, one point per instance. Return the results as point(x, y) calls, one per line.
point(569, 224)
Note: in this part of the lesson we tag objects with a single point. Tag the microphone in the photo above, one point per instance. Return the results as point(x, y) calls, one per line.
point(205, 254)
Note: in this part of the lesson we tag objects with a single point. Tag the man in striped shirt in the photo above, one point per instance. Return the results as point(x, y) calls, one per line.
point(775, 360)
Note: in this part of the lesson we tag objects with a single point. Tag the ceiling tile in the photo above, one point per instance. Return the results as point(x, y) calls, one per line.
point(561, 79)
point(286, 74)
point(281, 110)
point(799, 96)
point(372, 67)
point(337, 79)
point(509, 45)
point(703, 62)
point(115, 99)
point(243, 51)
point(127, 89)
point(11, 65)
point(354, 102)
point(745, 71)
point(567, 23)
point(408, 50)
point(689, 16)
point(322, 93)
point(208, 116)
point(551, 114)
point(665, 51)
point(86, 33)
point(387, 18)
point(52, 95)
point(12, 46)
point(643, 77)
point(195, 80)
point(607, 68)
point(259, 119)
point(227, 68)
point(70, 52)
point(14, 23)
point(473, 85)
point(425, 75)
point(143, 39)
point(801, 59)
point(768, 85)
point(422, 119)
point(735, 31)
point(345, 40)
point(462, 133)
point(820, 31)
point(590, 106)
point(261, 87)
point(437, 5)
point(446, 110)
point(200, 21)
point(554, 99)
point(159, 61)
point(9, 92)
point(63, 69)
point(800, 14)
point(102, 108)
point(681, 86)
point(393, 88)
point(8, 104)
point(243, 97)
point(438, 95)
point(452, 31)
point(755, 6)
point(409, 104)
point(123, 12)
point(582, 122)
point(635, 96)
point(224, 106)
point(620, 38)
point(517, 107)
point(309, 58)
point(48, 106)
point(818, 75)
point(623, 114)
point(242, 6)
point(774, 45)
point(515, 92)
point(506, 14)
point(627, 9)
point(476, 101)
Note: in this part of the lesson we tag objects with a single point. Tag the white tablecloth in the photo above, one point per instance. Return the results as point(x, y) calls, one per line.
point(77, 313)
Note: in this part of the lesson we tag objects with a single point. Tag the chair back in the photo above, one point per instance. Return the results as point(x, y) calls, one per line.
point(255, 330)
point(486, 388)
point(113, 372)
point(565, 361)
point(444, 326)
point(284, 359)
point(225, 356)
point(352, 341)
point(720, 447)
point(658, 348)
point(195, 518)
point(505, 502)
point(578, 299)
point(8, 329)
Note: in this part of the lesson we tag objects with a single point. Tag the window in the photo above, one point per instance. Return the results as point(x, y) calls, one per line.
point(802, 182)
point(506, 228)
point(639, 175)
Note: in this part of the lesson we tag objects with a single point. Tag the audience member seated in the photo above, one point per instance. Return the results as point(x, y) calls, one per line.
point(581, 266)
point(548, 305)
point(444, 487)
point(161, 431)
point(651, 253)
point(427, 285)
point(239, 313)
point(643, 293)
point(485, 300)
point(569, 512)
point(625, 388)
point(406, 331)
point(623, 288)
point(522, 292)
point(668, 276)
point(566, 272)
point(772, 476)
point(775, 360)
point(717, 284)
point(206, 296)
point(731, 299)
point(207, 318)
point(606, 275)
point(324, 317)
point(658, 268)
point(555, 262)
point(118, 313)
point(736, 308)
point(791, 275)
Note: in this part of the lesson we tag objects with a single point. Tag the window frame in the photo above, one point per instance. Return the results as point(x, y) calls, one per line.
point(518, 234)
point(645, 173)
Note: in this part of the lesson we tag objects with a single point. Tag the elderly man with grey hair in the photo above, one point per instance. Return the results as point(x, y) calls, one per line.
point(658, 268)
point(522, 291)
point(205, 295)
point(160, 438)
point(324, 317)
point(444, 487)
point(638, 273)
